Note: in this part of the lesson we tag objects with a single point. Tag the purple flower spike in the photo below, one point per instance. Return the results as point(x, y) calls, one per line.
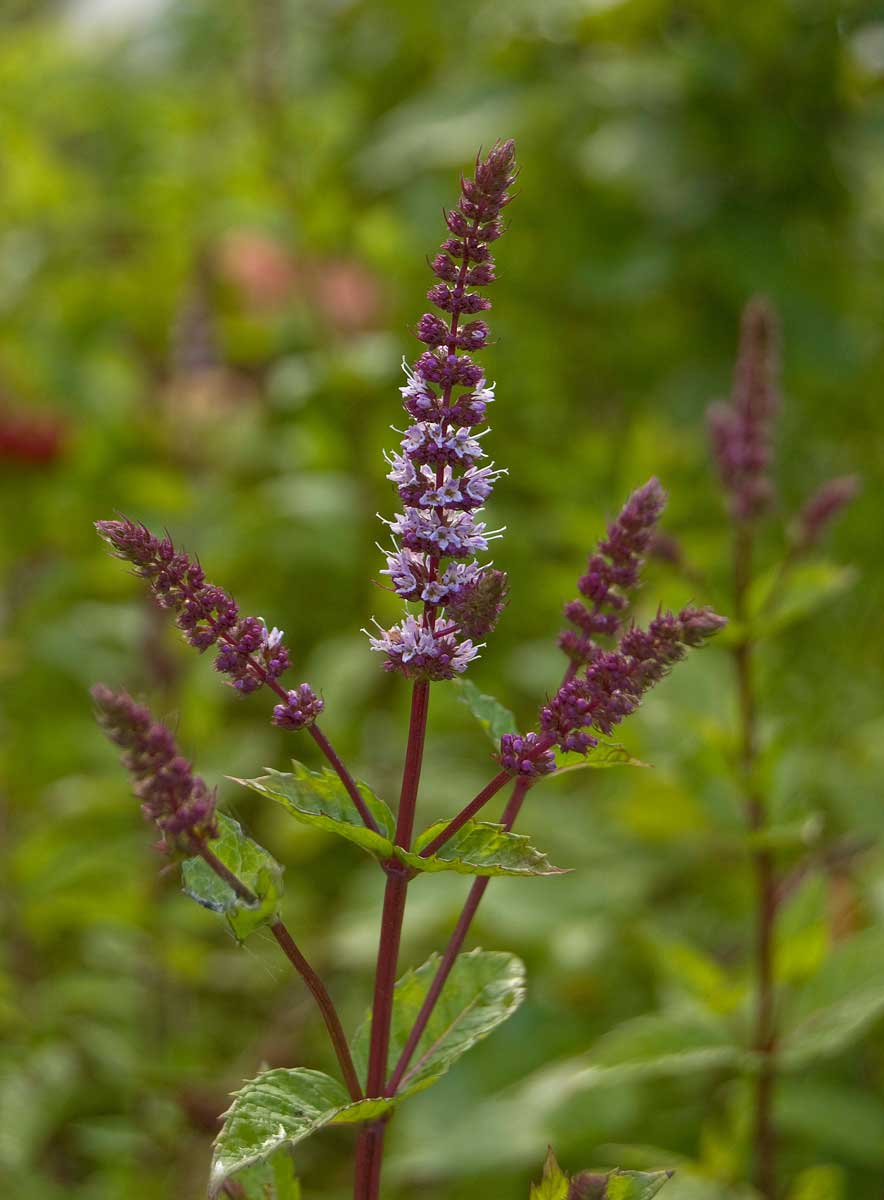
point(612, 572)
point(439, 471)
point(249, 652)
point(178, 802)
point(526, 754)
point(821, 509)
point(741, 430)
point(301, 708)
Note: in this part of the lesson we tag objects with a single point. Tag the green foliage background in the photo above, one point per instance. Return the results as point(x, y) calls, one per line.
point(213, 226)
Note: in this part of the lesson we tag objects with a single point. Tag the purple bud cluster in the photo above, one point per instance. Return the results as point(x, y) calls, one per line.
point(178, 802)
point(612, 572)
point(821, 509)
point(741, 431)
point(438, 470)
point(247, 651)
point(613, 683)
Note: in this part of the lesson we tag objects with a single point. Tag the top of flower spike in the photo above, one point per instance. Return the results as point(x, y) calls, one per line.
point(437, 474)
point(741, 430)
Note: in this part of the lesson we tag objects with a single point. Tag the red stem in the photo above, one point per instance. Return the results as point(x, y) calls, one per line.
point(369, 1150)
point(315, 985)
point(766, 886)
point(474, 898)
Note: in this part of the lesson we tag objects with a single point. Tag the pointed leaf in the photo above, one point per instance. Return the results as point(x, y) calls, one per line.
point(554, 1185)
point(250, 863)
point(280, 1108)
point(490, 713)
point(479, 848)
point(483, 989)
point(319, 798)
point(606, 754)
point(635, 1185)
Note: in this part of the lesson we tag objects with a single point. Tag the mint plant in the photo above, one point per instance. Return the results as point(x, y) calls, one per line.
point(420, 1024)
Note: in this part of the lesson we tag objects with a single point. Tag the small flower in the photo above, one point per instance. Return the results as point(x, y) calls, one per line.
point(526, 754)
point(477, 606)
point(178, 802)
point(422, 651)
point(301, 708)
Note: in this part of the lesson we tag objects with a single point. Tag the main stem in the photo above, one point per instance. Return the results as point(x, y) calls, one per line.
point(315, 985)
point(369, 1149)
point(765, 883)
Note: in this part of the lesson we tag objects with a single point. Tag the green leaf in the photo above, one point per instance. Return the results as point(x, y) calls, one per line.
point(483, 989)
point(779, 598)
point(271, 1180)
point(635, 1185)
point(554, 1185)
point(319, 798)
point(479, 848)
point(250, 863)
point(618, 1185)
point(490, 713)
point(820, 1183)
point(279, 1109)
point(837, 1006)
point(606, 754)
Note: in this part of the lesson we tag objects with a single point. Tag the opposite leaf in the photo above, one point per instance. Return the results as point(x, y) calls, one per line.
point(250, 863)
point(479, 848)
point(780, 598)
point(319, 798)
point(618, 1185)
point(490, 713)
point(280, 1108)
point(483, 989)
point(606, 754)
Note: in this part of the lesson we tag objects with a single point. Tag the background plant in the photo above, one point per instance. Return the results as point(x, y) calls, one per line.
point(685, 159)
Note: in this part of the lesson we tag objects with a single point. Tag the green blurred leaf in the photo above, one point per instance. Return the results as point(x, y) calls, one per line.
point(319, 798)
point(280, 1108)
point(819, 1183)
point(836, 1007)
point(779, 598)
point(617, 1185)
point(635, 1185)
point(483, 990)
point(490, 713)
point(251, 864)
point(479, 848)
point(833, 1118)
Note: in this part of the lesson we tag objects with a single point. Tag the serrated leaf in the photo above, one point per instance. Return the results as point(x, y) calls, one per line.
point(319, 798)
point(606, 754)
point(250, 863)
point(554, 1185)
point(490, 713)
point(483, 990)
point(779, 598)
point(479, 848)
point(836, 1007)
point(279, 1109)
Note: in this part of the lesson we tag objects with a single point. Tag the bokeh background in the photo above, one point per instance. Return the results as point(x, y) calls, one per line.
point(214, 220)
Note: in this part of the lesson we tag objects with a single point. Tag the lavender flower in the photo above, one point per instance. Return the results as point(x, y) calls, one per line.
point(178, 802)
point(740, 431)
point(301, 708)
point(821, 509)
point(612, 572)
point(437, 473)
point(249, 652)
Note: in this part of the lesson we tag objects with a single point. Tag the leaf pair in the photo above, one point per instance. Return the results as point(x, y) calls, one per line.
point(617, 1185)
point(284, 1106)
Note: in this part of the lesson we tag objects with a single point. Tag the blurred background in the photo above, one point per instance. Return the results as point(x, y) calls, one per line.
point(214, 223)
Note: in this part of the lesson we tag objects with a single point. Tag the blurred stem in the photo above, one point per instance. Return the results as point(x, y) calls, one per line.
point(369, 1150)
point(314, 984)
point(765, 880)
